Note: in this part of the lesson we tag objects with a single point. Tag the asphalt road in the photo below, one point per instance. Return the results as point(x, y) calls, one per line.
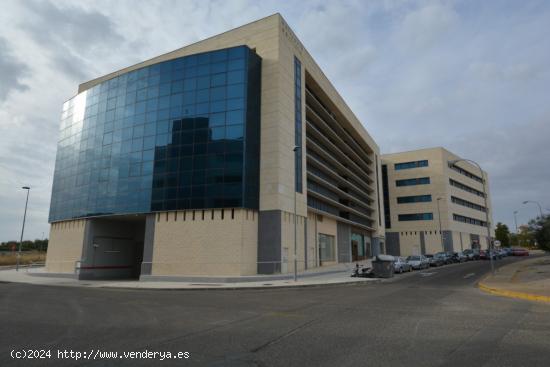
point(431, 318)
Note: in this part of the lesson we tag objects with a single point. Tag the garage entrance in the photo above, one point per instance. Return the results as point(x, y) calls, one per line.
point(113, 248)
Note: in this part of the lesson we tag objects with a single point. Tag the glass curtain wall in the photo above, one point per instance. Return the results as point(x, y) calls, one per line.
point(180, 134)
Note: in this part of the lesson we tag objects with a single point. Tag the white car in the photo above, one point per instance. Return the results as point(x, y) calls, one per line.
point(400, 265)
point(418, 262)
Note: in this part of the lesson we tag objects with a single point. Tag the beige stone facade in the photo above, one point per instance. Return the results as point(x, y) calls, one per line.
point(65, 246)
point(347, 175)
point(461, 208)
point(202, 242)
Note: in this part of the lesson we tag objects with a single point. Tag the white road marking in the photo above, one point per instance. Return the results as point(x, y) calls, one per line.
point(427, 274)
point(469, 275)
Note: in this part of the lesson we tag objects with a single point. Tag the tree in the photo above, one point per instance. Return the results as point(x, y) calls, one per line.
point(502, 233)
point(40, 245)
point(540, 228)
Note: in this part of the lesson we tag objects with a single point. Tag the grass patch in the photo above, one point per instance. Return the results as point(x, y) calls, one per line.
point(10, 258)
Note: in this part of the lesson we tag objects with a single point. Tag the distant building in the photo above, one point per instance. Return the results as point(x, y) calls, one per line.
point(421, 188)
point(185, 165)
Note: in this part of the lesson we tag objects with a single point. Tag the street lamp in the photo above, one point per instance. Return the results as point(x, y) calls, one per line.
point(440, 233)
point(22, 228)
point(534, 202)
point(296, 149)
point(489, 245)
point(516, 220)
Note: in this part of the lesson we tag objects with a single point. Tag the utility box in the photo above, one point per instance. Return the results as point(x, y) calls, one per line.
point(382, 266)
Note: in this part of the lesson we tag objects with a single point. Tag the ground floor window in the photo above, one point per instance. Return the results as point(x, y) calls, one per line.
point(327, 251)
point(358, 247)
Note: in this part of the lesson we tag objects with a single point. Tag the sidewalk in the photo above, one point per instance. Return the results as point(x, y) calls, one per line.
point(339, 274)
point(529, 279)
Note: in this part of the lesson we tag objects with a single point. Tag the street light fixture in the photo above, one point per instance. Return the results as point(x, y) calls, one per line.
point(22, 228)
point(489, 245)
point(439, 217)
point(295, 149)
point(534, 202)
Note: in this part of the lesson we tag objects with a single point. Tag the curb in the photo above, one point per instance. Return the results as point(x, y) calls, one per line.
point(318, 285)
point(513, 294)
point(231, 288)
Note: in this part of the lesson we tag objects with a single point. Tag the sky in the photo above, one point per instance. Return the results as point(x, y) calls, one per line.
point(471, 76)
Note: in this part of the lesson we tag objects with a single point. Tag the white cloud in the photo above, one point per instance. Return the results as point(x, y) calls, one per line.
point(470, 76)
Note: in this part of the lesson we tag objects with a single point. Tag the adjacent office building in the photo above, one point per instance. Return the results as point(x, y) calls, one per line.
point(195, 162)
point(432, 204)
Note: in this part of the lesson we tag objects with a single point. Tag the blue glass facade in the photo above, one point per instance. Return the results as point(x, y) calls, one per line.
point(413, 181)
point(409, 165)
point(416, 216)
point(181, 134)
point(414, 199)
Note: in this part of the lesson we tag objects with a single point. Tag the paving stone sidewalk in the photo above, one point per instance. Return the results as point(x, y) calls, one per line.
point(336, 275)
point(528, 279)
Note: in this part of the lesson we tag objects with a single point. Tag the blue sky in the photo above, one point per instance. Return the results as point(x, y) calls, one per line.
point(467, 75)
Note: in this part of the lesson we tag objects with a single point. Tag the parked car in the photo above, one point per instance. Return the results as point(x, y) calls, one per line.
point(459, 257)
point(452, 257)
point(437, 260)
point(418, 262)
point(469, 253)
point(508, 251)
point(487, 254)
point(400, 265)
point(430, 258)
point(520, 252)
point(483, 255)
point(446, 257)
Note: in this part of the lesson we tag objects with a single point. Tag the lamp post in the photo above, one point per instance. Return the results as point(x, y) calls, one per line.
point(489, 245)
point(22, 228)
point(440, 232)
point(296, 149)
point(535, 202)
point(516, 223)
point(516, 220)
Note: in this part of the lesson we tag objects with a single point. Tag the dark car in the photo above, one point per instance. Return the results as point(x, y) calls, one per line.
point(487, 254)
point(459, 257)
point(437, 260)
point(470, 255)
point(445, 256)
point(483, 255)
point(508, 251)
point(452, 256)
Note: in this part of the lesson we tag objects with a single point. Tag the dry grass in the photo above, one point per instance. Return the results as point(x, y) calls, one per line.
point(10, 258)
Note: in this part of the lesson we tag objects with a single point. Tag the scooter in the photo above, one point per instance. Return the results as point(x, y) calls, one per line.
point(362, 272)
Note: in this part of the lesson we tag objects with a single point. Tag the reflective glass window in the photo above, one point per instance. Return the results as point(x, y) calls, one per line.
point(167, 136)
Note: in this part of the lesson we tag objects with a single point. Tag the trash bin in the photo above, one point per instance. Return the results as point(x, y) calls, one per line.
point(382, 266)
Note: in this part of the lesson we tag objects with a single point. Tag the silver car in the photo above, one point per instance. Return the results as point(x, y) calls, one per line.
point(418, 262)
point(400, 265)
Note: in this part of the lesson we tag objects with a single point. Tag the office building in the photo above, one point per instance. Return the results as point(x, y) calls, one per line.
point(432, 204)
point(193, 163)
